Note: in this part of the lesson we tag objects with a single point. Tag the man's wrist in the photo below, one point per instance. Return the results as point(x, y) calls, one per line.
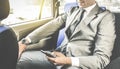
point(68, 61)
point(25, 41)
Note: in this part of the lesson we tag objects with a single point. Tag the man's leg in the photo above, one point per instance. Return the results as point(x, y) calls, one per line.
point(34, 60)
point(115, 64)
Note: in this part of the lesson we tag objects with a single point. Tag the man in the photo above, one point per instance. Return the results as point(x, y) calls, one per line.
point(87, 45)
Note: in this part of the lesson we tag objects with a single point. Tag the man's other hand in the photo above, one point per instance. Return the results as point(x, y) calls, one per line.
point(22, 47)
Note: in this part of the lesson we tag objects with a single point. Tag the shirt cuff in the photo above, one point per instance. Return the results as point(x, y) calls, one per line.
point(75, 61)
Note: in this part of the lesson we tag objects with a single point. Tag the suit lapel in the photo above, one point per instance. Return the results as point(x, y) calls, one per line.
point(72, 18)
point(90, 17)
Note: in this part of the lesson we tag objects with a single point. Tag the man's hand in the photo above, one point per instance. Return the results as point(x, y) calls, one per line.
point(60, 59)
point(22, 47)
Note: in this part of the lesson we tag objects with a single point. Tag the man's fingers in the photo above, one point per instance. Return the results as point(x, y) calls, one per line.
point(51, 59)
point(58, 54)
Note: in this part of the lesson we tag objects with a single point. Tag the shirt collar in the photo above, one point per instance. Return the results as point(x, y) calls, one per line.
point(88, 9)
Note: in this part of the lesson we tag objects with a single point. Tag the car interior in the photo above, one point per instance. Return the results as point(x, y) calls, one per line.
point(9, 36)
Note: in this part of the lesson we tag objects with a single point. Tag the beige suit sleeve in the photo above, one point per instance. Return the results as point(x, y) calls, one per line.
point(103, 45)
point(47, 29)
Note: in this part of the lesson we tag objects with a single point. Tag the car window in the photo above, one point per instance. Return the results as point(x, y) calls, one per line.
point(22, 11)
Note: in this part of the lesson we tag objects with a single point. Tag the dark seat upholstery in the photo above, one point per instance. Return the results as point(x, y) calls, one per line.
point(116, 50)
point(8, 40)
point(8, 48)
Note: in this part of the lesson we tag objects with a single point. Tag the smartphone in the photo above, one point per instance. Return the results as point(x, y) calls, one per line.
point(48, 53)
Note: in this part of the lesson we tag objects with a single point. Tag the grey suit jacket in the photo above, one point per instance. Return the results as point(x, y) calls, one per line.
point(91, 42)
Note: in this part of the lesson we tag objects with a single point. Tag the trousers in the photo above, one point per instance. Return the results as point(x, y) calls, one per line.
point(38, 60)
